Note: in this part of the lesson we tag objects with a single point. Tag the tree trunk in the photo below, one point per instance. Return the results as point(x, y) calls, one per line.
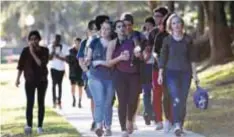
point(120, 9)
point(171, 6)
point(57, 21)
point(221, 11)
point(152, 5)
point(47, 32)
point(98, 7)
point(231, 8)
point(201, 19)
point(47, 23)
point(220, 40)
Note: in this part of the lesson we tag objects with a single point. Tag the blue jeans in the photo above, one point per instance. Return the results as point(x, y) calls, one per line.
point(148, 109)
point(102, 92)
point(86, 86)
point(178, 84)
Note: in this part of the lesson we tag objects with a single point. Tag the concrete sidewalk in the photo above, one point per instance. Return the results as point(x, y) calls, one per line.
point(81, 118)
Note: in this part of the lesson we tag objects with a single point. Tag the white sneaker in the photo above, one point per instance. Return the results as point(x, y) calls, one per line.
point(39, 130)
point(177, 130)
point(167, 126)
point(28, 130)
point(125, 134)
point(108, 132)
point(183, 134)
point(159, 126)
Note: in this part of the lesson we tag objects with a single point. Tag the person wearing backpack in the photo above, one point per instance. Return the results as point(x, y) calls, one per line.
point(176, 62)
point(138, 38)
point(125, 59)
point(57, 56)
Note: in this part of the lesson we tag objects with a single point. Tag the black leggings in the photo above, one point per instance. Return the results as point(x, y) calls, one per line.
point(128, 89)
point(57, 78)
point(30, 94)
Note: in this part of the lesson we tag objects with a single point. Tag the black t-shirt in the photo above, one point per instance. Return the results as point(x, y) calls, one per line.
point(33, 72)
point(155, 42)
point(74, 67)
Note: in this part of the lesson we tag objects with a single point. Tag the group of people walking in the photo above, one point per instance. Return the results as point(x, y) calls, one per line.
point(117, 62)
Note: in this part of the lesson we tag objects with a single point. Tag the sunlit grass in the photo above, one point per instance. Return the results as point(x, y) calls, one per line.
point(4, 67)
point(14, 121)
point(216, 121)
point(13, 116)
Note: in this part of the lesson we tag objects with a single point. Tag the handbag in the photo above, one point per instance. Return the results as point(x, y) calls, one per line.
point(201, 98)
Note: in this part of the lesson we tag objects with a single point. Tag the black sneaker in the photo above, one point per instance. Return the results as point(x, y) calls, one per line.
point(147, 119)
point(79, 104)
point(93, 126)
point(27, 130)
point(74, 103)
point(99, 132)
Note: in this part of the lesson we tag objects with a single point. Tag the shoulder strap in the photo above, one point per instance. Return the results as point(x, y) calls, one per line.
point(84, 41)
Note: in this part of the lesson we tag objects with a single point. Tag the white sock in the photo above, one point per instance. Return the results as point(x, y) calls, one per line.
point(98, 125)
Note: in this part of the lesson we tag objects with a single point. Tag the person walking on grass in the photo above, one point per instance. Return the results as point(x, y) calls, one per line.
point(58, 53)
point(33, 62)
point(75, 72)
point(176, 63)
point(82, 54)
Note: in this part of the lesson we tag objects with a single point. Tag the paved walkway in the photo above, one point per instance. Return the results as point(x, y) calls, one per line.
point(81, 118)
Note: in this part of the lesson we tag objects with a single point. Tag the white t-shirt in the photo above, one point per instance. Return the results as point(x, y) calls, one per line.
point(56, 63)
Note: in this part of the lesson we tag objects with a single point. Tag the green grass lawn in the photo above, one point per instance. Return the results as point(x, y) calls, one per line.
point(13, 121)
point(13, 113)
point(217, 121)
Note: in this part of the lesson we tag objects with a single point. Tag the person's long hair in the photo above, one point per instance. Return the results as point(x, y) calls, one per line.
point(115, 25)
point(169, 20)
